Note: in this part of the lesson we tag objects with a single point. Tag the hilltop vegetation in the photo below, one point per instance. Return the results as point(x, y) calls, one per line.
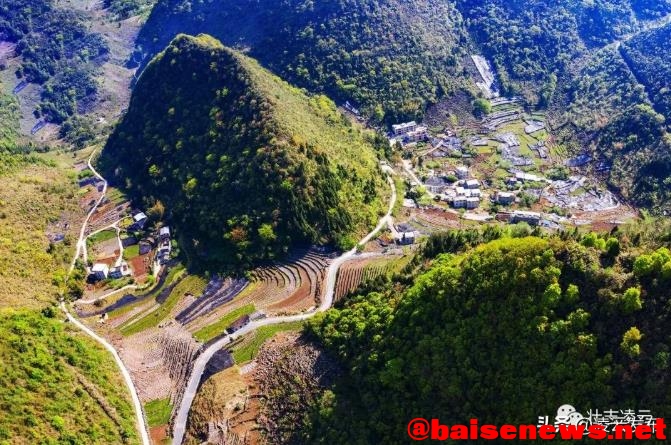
point(648, 56)
point(57, 51)
point(388, 57)
point(616, 105)
point(585, 315)
point(58, 386)
point(244, 165)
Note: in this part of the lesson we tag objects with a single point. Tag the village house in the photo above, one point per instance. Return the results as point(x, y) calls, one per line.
point(100, 271)
point(120, 271)
point(139, 220)
point(505, 198)
point(407, 127)
point(531, 218)
point(461, 172)
point(419, 134)
point(472, 184)
point(475, 193)
point(163, 254)
point(147, 244)
point(436, 184)
point(459, 202)
point(164, 232)
point(406, 238)
point(472, 203)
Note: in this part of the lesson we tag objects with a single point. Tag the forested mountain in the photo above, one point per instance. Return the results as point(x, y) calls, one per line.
point(616, 104)
point(504, 333)
point(57, 50)
point(533, 41)
point(389, 57)
point(243, 164)
point(648, 56)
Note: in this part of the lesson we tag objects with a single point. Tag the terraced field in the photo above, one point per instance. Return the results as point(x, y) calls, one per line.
point(356, 272)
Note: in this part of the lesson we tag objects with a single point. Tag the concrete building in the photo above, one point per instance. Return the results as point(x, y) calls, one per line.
point(120, 271)
point(505, 198)
point(462, 172)
point(532, 218)
point(416, 135)
point(459, 202)
point(100, 271)
point(406, 127)
point(164, 232)
point(472, 184)
point(472, 203)
point(406, 238)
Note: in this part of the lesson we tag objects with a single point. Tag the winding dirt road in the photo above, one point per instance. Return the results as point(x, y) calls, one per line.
point(81, 247)
point(179, 427)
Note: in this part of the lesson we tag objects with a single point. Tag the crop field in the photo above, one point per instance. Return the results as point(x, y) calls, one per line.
point(356, 272)
point(211, 331)
point(249, 346)
point(190, 285)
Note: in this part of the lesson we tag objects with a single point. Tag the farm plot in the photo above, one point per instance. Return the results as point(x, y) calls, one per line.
point(106, 214)
point(292, 286)
point(356, 272)
point(191, 285)
point(159, 361)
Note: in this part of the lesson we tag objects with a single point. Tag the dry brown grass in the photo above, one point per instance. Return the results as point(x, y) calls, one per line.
point(35, 199)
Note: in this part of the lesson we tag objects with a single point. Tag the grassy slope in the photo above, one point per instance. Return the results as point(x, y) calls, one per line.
point(247, 349)
point(34, 191)
point(58, 386)
point(192, 284)
point(208, 332)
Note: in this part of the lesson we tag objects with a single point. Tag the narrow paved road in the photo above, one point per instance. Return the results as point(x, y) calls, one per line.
point(81, 243)
point(179, 427)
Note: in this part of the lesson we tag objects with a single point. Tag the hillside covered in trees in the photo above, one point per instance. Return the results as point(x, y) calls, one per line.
point(616, 105)
point(240, 162)
point(58, 51)
point(503, 332)
point(388, 57)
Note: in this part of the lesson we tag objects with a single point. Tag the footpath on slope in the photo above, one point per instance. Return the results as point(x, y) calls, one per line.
point(81, 243)
point(179, 428)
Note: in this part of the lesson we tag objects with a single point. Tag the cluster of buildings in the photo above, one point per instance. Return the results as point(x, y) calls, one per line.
point(444, 146)
point(409, 132)
point(165, 245)
point(463, 194)
point(103, 271)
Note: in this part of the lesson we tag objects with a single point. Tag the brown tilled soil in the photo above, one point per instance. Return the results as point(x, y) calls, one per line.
point(266, 400)
point(158, 359)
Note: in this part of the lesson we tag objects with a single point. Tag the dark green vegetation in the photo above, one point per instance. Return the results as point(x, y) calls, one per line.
point(57, 51)
point(245, 164)
point(647, 55)
point(57, 386)
point(388, 57)
point(618, 105)
point(502, 332)
point(533, 42)
point(593, 64)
